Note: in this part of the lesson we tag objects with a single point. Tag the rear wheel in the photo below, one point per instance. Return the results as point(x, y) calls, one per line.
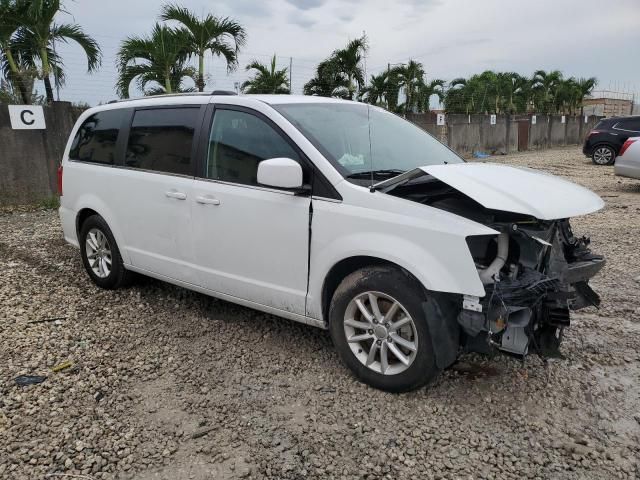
point(603, 155)
point(100, 254)
point(380, 330)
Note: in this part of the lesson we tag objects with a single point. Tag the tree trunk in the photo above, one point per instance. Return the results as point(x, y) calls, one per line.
point(48, 89)
point(44, 57)
point(22, 88)
point(17, 74)
point(201, 73)
point(167, 82)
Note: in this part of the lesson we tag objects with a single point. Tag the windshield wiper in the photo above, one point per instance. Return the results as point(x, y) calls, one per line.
point(387, 173)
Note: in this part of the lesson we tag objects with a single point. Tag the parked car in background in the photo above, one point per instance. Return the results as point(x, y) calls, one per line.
point(628, 161)
point(333, 213)
point(604, 142)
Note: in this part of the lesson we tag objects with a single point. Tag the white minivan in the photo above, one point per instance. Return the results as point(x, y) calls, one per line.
point(332, 213)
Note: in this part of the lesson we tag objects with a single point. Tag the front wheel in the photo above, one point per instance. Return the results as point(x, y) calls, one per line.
point(380, 331)
point(603, 155)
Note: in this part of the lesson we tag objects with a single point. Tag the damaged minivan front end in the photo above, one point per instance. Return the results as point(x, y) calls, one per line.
point(534, 270)
point(534, 274)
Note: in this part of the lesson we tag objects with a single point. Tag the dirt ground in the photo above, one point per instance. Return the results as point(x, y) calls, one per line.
point(170, 384)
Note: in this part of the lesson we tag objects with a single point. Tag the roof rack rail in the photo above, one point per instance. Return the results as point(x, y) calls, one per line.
point(223, 92)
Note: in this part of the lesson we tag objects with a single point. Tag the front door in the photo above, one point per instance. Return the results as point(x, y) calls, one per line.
point(251, 241)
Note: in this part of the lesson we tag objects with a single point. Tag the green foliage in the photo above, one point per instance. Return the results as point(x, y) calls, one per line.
point(222, 36)
point(27, 36)
point(50, 203)
point(410, 79)
point(158, 62)
point(267, 78)
point(342, 74)
point(509, 92)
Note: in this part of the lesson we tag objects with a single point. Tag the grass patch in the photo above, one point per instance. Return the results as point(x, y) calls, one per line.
point(50, 203)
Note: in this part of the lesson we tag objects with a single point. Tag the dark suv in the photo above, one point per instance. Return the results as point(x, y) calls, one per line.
point(603, 143)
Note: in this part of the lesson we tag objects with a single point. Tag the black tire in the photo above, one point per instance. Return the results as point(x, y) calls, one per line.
point(118, 276)
point(603, 155)
point(410, 294)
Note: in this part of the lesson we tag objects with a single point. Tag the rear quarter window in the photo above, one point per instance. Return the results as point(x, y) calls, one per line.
point(629, 124)
point(95, 141)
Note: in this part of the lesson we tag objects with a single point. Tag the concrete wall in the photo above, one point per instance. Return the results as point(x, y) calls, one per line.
point(472, 133)
point(29, 158)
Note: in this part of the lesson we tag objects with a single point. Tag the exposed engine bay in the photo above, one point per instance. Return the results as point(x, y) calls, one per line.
point(534, 273)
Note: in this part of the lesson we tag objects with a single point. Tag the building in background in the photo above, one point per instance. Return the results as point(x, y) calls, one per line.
point(609, 104)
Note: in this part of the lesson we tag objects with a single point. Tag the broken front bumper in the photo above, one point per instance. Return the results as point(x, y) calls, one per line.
point(528, 301)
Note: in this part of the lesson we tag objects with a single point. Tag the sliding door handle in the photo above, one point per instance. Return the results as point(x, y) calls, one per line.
point(207, 200)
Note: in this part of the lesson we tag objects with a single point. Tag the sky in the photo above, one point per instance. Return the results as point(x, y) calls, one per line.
point(451, 38)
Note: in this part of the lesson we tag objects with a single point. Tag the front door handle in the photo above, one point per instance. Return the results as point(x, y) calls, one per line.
point(207, 200)
point(175, 194)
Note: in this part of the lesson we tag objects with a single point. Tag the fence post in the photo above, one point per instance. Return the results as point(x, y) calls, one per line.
point(507, 132)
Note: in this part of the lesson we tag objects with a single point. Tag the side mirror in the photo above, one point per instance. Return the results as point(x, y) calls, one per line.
point(280, 173)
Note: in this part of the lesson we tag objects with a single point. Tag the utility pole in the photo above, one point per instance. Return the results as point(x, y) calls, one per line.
point(290, 72)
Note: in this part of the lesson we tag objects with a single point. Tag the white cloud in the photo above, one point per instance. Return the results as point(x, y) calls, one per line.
point(452, 39)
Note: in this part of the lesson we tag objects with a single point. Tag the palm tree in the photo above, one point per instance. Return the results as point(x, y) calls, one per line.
point(469, 95)
point(268, 79)
point(456, 100)
point(376, 92)
point(427, 90)
point(221, 36)
point(159, 59)
point(349, 61)
point(411, 79)
point(39, 32)
point(329, 81)
point(586, 86)
point(521, 93)
point(392, 90)
point(12, 15)
point(545, 85)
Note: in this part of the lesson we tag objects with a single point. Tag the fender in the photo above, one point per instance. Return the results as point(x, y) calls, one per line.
point(92, 201)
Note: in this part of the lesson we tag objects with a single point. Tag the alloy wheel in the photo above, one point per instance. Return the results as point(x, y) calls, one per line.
point(98, 252)
point(380, 333)
point(602, 155)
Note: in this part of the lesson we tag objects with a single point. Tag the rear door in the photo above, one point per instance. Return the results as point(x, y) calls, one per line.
point(251, 241)
point(155, 189)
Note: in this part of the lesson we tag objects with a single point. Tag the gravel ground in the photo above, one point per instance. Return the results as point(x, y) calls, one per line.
point(170, 384)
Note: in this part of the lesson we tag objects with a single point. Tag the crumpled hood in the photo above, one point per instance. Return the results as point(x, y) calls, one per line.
point(517, 190)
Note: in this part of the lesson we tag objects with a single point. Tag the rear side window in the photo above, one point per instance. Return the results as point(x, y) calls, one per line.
point(160, 139)
point(96, 138)
point(630, 124)
point(238, 142)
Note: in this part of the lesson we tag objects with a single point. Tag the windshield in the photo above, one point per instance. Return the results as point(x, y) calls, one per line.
point(365, 142)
